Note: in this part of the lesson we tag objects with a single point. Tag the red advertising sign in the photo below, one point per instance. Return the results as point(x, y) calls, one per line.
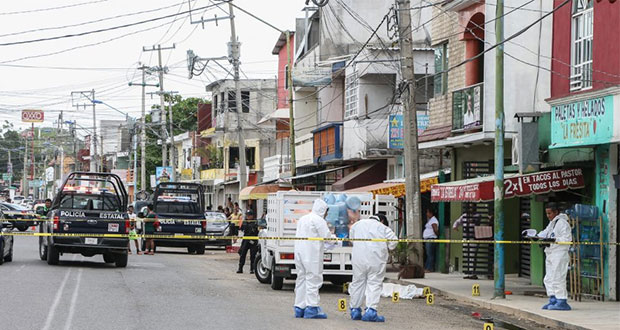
point(481, 189)
point(32, 116)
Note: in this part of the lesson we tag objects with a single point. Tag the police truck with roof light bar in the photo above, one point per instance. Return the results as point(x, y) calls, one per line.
point(89, 217)
point(180, 209)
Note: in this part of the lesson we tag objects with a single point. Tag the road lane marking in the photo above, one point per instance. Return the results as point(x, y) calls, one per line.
point(73, 300)
point(20, 268)
point(52, 311)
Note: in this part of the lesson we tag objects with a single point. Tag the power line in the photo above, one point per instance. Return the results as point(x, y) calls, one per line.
point(51, 8)
point(72, 35)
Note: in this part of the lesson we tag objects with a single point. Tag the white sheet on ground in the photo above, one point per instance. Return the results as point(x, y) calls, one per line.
point(404, 291)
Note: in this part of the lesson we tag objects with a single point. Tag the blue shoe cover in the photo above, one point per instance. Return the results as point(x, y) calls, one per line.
point(552, 301)
point(314, 313)
point(299, 312)
point(356, 314)
point(560, 305)
point(371, 316)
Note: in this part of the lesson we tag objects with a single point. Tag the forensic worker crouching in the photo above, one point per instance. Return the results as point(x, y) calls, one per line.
point(369, 262)
point(557, 259)
point(309, 262)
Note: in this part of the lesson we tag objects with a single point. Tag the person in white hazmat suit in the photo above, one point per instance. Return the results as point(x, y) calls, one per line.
point(309, 262)
point(557, 258)
point(369, 262)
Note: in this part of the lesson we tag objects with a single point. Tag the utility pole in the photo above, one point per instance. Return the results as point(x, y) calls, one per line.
point(291, 114)
point(498, 271)
point(160, 69)
point(90, 96)
point(172, 147)
point(410, 125)
point(143, 128)
point(10, 169)
point(25, 183)
point(234, 49)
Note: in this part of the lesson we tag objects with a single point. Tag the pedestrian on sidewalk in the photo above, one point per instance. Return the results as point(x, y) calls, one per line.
point(133, 231)
point(556, 262)
point(249, 228)
point(309, 261)
point(369, 261)
point(150, 224)
point(431, 231)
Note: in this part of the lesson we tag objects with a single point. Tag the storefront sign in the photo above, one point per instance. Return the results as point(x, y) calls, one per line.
point(312, 76)
point(515, 185)
point(581, 123)
point(33, 116)
point(398, 190)
point(396, 129)
point(163, 174)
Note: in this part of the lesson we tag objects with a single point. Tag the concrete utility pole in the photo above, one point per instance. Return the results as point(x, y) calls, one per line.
point(25, 183)
point(291, 114)
point(234, 47)
point(90, 96)
point(498, 271)
point(10, 169)
point(410, 125)
point(143, 128)
point(172, 147)
point(164, 149)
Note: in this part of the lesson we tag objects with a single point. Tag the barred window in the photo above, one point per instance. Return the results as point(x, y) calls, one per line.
point(351, 96)
point(581, 53)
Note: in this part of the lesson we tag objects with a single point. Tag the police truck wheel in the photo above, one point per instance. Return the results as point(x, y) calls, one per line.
point(121, 260)
point(9, 256)
point(190, 250)
point(262, 273)
point(108, 259)
point(53, 256)
point(42, 249)
point(1, 253)
point(276, 281)
point(200, 249)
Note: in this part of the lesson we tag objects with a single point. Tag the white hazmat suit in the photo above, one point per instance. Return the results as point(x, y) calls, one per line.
point(369, 260)
point(309, 256)
point(556, 262)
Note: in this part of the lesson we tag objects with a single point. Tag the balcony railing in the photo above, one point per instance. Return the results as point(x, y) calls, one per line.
point(467, 108)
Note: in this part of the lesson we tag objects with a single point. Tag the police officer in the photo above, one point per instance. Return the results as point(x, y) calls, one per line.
point(250, 228)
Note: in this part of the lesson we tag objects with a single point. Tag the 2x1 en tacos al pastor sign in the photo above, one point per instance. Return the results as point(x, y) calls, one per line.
point(515, 185)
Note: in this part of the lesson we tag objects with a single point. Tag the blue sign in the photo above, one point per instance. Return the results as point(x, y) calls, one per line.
point(163, 174)
point(396, 132)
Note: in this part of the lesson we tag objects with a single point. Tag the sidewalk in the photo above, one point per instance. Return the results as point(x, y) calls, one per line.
point(585, 315)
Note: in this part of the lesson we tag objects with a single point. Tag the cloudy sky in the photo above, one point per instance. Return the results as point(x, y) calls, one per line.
point(42, 75)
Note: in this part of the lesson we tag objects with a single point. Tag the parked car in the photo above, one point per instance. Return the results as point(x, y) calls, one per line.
point(217, 225)
point(6, 241)
point(19, 215)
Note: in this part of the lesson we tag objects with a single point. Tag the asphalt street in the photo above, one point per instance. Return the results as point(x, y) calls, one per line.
point(174, 290)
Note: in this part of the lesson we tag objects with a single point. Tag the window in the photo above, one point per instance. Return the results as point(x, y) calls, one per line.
point(215, 101)
point(232, 101)
point(441, 64)
point(222, 102)
point(581, 57)
point(245, 101)
point(351, 96)
point(286, 76)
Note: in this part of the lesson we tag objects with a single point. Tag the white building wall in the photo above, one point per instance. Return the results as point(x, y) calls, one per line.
point(525, 86)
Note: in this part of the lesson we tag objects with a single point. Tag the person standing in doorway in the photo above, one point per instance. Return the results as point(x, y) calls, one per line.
point(431, 231)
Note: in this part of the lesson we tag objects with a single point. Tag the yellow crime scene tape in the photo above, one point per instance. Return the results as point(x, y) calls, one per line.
point(44, 219)
point(275, 238)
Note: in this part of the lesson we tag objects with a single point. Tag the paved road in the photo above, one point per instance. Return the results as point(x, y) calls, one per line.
point(173, 290)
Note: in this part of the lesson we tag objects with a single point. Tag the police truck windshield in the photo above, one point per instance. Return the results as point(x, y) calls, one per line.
point(88, 202)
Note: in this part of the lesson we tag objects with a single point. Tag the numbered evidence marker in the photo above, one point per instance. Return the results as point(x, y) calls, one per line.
point(395, 297)
point(426, 291)
point(488, 326)
point(475, 290)
point(430, 299)
point(345, 287)
point(342, 305)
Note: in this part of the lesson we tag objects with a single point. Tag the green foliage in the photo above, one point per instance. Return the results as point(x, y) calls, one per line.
point(184, 115)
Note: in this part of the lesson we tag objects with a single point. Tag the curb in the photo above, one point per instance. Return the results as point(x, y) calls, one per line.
point(500, 308)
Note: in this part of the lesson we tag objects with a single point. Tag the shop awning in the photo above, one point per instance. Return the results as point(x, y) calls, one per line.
point(515, 185)
point(260, 192)
point(396, 188)
point(366, 174)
